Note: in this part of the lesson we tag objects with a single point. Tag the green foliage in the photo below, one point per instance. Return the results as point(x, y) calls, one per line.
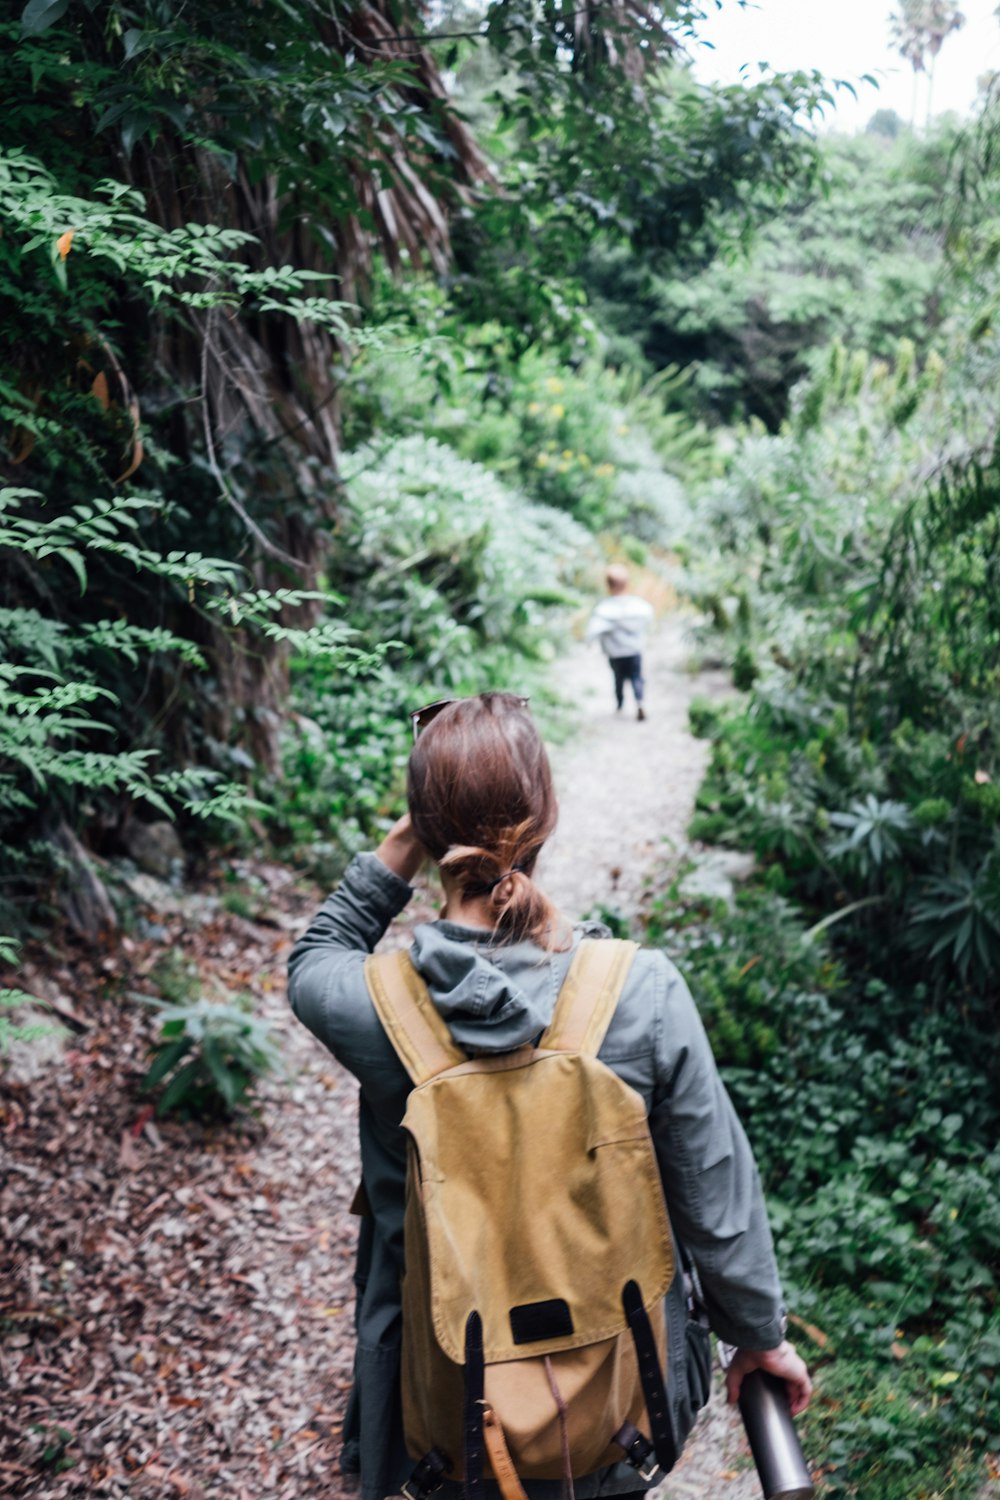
point(855, 251)
point(852, 559)
point(760, 986)
point(704, 717)
point(55, 1441)
point(343, 766)
point(210, 1056)
point(465, 581)
point(602, 445)
point(162, 333)
point(193, 265)
point(279, 87)
point(866, 760)
point(20, 1031)
point(71, 719)
point(421, 525)
point(884, 1216)
point(683, 157)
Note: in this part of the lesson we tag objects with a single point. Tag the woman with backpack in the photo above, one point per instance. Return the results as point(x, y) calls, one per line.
point(480, 1016)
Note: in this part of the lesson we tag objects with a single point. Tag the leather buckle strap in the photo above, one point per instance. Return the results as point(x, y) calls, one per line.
point(651, 1376)
point(474, 1380)
point(501, 1462)
point(638, 1451)
point(428, 1476)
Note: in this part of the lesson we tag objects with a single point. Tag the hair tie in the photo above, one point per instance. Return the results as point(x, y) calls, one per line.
point(514, 870)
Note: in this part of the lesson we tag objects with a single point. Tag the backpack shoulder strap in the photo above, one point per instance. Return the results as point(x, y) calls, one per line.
point(403, 1003)
point(589, 994)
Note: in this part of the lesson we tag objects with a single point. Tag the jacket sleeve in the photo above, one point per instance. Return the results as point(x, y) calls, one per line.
point(710, 1180)
point(598, 624)
point(326, 987)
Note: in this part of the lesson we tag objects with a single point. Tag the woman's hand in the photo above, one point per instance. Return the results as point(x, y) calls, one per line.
point(400, 851)
point(783, 1362)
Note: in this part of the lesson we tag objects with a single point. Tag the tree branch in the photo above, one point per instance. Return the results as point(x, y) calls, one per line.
point(265, 544)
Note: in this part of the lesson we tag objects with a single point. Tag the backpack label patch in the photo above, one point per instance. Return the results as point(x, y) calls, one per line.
point(532, 1322)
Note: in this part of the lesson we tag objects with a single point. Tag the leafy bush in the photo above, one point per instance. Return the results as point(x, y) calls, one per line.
point(875, 1134)
point(848, 566)
point(865, 764)
point(108, 607)
point(19, 1031)
point(604, 446)
point(454, 562)
point(463, 582)
point(209, 1056)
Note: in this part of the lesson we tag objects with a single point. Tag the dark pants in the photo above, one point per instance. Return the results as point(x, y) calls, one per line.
point(627, 669)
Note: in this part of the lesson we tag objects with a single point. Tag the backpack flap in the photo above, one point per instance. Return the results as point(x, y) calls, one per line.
point(542, 1252)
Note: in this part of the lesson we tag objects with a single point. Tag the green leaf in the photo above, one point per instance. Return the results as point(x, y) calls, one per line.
point(225, 1082)
point(179, 1087)
point(165, 1059)
point(39, 15)
point(134, 41)
point(76, 562)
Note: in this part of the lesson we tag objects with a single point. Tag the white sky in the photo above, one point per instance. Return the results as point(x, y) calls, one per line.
point(843, 39)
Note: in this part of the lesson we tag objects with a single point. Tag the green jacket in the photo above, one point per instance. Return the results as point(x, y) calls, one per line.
point(495, 997)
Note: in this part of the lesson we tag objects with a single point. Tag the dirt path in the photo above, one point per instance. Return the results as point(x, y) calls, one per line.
point(626, 794)
point(626, 790)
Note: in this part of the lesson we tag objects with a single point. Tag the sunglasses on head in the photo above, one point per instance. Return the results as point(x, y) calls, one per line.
point(421, 717)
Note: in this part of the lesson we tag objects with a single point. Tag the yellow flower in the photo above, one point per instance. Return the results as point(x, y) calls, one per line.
point(564, 468)
point(583, 461)
point(567, 453)
point(623, 429)
point(534, 407)
point(557, 411)
point(554, 386)
point(604, 471)
point(542, 461)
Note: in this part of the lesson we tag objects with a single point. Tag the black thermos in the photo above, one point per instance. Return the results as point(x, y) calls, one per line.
point(773, 1440)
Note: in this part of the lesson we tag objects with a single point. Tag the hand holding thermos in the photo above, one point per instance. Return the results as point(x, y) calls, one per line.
point(771, 1385)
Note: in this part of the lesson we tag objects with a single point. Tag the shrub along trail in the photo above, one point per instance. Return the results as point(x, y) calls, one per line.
point(175, 1301)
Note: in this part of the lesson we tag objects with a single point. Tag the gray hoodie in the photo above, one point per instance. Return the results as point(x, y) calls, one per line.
point(495, 997)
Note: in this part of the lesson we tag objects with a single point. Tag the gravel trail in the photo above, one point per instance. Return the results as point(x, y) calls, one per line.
point(626, 794)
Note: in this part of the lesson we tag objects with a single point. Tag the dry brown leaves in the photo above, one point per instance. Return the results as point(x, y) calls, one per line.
point(176, 1300)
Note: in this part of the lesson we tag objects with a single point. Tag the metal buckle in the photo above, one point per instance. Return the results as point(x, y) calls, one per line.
point(639, 1452)
point(419, 1491)
point(428, 1476)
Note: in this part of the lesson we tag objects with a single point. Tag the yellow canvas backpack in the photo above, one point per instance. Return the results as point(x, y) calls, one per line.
point(537, 1246)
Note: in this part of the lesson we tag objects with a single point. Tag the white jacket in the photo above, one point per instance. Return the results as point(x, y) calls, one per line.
point(620, 623)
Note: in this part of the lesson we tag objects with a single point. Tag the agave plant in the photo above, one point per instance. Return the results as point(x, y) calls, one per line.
point(955, 920)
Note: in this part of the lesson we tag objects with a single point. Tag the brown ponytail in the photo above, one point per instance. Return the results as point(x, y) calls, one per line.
point(482, 803)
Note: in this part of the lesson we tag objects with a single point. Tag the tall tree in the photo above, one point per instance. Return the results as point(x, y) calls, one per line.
point(275, 143)
point(919, 30)
point(943, 18)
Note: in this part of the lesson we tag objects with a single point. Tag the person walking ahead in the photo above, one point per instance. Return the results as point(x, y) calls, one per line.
point(482, 806)
point(620, 623)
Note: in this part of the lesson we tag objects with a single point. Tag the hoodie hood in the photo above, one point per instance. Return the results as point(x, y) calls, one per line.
point(494, 997)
